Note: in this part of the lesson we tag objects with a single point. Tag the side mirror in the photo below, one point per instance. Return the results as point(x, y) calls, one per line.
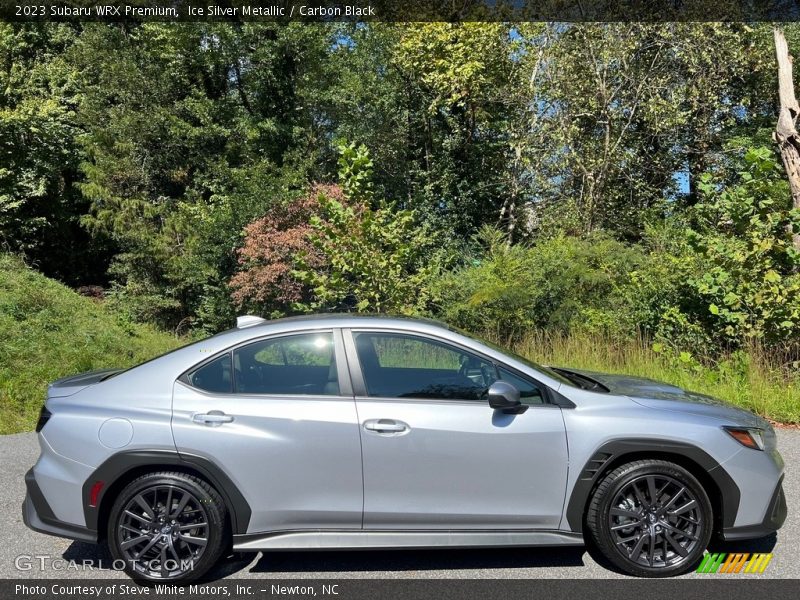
point(504, 396)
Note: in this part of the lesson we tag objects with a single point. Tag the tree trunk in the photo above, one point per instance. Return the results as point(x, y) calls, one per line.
point(785, 131)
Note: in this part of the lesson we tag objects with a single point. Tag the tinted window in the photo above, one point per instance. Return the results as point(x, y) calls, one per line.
point(214, 376)
point(295, 364)
point(529, 393)
point(406, 366)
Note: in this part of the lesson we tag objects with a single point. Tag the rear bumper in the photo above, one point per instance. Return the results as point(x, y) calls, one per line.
point(773, 519)
point(38, 516)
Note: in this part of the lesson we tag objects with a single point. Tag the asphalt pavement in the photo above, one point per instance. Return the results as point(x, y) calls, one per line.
point(30, 555)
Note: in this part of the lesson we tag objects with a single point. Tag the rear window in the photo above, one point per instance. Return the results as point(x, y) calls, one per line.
point(215, 376)
point(303, 364)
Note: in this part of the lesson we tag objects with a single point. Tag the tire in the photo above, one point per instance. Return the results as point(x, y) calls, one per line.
point(645, 538)
point(175, 547)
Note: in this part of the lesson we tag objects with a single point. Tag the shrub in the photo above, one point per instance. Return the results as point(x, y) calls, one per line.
point(560, 283)
point(742, 234)
point(272, 245)
point(371, 260)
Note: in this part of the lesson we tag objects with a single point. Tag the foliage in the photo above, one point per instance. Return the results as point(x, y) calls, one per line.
point(560, 283)
point(750, 278)
point(330, 250)
point(267, 280)
point(375, 260)
point(355, 172)
point(457, 79)
point(40, 205)
point(49, 331)
point(175, 174)
point(620, 109)
point(592, 179)
point(657, 295)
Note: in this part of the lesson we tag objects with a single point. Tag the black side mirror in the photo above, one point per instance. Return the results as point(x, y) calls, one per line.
point(504, 396)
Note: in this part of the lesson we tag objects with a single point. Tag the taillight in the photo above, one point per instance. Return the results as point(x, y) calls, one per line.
point(44, 415)
point(748, 437)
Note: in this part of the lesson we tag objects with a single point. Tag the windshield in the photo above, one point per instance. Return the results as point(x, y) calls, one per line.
point(546, 370)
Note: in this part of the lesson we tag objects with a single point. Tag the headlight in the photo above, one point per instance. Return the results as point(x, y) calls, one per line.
point(750, 437)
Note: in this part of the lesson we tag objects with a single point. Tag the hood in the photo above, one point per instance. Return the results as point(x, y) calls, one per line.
point(67, 386)
point(656, 394)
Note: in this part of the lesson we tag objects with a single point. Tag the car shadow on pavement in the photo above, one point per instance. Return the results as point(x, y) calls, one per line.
point(95, 556)
point(417, 560)
point(98, 558)
point(763, 545)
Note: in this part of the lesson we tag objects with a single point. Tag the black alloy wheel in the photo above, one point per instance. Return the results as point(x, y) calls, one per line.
point(167, 527)
point(651, 518)
point(656, 521)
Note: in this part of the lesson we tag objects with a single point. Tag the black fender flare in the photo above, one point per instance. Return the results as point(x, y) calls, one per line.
point(614, 452)
point(119, 465)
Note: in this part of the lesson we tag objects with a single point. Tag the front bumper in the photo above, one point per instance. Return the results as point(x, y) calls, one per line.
point(773, 519)
point(37, 515)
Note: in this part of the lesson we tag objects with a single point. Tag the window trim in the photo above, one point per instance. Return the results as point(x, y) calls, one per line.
point(360, 387)
point(342, 372)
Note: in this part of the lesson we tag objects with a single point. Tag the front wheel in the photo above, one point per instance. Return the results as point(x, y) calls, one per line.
point(167, 527)
point(651, 518)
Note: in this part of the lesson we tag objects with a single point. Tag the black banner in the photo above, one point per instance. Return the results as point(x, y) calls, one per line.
point(407, 589)
point(400, 10)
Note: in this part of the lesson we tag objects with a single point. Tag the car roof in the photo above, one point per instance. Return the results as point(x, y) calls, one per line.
point(351, 320)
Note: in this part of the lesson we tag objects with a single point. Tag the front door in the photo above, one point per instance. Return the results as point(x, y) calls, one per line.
point(436, 456)
point(278, 416)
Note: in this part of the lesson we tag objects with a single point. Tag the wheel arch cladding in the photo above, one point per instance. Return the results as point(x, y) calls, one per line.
point(118, 470)
point(720, 487)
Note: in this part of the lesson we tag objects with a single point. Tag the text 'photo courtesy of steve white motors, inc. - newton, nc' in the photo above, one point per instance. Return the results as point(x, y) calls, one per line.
point(208, 11)
point(132, 590)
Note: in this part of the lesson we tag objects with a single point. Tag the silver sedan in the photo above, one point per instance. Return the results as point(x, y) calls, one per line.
point(345, 432)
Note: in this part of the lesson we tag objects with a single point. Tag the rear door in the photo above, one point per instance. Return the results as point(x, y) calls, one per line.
point(435, 455)
point(278, 416)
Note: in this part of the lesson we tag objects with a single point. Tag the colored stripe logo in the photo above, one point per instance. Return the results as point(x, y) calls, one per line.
point(736, 562)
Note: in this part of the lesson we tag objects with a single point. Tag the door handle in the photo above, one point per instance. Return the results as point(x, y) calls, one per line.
point(385, 426)
point(212, 417)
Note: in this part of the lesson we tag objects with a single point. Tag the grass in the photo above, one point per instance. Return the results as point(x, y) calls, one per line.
point(48, 331)
point(752, 378)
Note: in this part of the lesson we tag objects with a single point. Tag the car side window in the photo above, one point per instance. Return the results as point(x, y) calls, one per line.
point(529, 392)
point(292, 364)
point(215, 376)
point(407, 366)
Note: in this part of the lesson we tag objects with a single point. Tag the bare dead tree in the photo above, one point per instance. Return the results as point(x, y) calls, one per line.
point(785, 134)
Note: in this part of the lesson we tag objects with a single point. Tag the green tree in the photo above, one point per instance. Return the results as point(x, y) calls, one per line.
point(431, 103)
point(221, 135)
point(40, 205)
point(618, 110)
point(363, 258)
point(375, 260)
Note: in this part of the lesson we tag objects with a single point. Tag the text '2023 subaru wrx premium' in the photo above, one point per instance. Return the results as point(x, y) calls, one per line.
point(347, 432)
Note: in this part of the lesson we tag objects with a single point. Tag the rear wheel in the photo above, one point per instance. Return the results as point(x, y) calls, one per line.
point(167, 527)
point(651, 518)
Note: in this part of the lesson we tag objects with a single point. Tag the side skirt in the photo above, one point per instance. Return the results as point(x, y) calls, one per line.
point(389, 540)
